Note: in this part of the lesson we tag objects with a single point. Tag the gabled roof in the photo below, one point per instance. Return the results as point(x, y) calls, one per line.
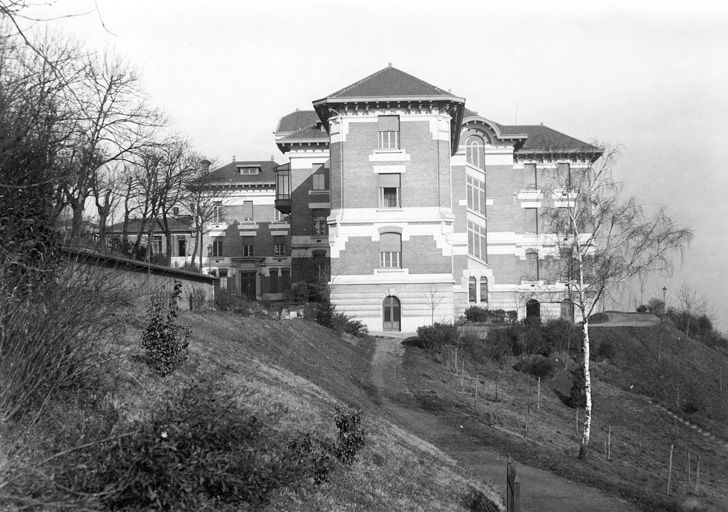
point(296, 120)
point(390, 82)
point(542, 138)
point(229, 173)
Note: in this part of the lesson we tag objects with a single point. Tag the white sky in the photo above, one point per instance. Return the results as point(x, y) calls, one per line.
point(651, 76)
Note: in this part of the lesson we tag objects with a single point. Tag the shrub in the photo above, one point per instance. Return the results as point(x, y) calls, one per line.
point(476, 314)
point(356, 327)
point(164, 341)
point(512, 316)
point(50, 336)
point(577, 393)
point(197, 299)
point(606, 350)
point(351, 437)
point(325, 314)
point(199, 450)
point(503, 342)
point(560, 334)
point(599, 318)
point(437, 335)
point(232, 302)
point(537, 366)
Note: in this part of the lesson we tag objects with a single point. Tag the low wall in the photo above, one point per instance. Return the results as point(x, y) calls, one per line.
point(143, 280)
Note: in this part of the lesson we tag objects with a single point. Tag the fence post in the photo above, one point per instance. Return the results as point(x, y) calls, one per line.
point(513, 488)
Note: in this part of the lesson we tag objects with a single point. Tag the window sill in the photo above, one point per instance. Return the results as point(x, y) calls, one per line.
point(392, 209)
point(391, 271)
point(393, 150)
point(318, 192)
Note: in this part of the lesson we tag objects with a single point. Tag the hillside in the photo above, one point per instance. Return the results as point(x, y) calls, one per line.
point(292, 374)
point(636, 377)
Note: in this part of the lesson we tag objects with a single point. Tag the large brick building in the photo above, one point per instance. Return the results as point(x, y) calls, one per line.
point(418, 207)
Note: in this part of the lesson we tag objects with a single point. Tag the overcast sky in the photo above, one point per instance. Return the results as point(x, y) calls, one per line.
point(651, 77)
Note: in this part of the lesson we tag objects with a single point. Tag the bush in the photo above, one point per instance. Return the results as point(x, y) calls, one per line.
point(537, 366)
point(232, 302)
point(356, 328)
point(351, 437)
point(560, 334)
point(197, 299)
point(164, 341)
point(496, 316)
point(599, 318)
point(433, 337)
point(200, 450)
point(49, 341)
point(325, 314)
point(476, 314)
point(577, 393)
point(606, 350)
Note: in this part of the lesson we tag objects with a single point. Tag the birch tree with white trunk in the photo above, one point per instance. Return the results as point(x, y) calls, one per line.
point(601, 241)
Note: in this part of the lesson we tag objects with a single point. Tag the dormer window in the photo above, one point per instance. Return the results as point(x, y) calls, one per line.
point(249, 170)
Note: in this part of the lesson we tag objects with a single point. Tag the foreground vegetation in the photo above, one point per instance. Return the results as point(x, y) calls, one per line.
point(529, 403)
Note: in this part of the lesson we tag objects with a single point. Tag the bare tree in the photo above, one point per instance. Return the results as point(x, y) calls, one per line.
point(113, 122)
point(204, 203)
point(433, 298)
point(602, 241)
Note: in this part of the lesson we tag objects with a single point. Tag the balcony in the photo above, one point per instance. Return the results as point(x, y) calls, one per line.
point(283, 205)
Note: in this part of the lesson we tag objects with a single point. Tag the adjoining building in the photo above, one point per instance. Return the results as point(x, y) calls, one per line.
point(245, 239)
point(415, 207)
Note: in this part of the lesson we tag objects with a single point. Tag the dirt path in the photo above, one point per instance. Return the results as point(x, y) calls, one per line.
point(540, 490)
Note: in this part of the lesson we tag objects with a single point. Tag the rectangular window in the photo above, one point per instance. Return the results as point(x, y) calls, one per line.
point(533, 267)
point(283, 182)
point(389, 185)
point(388, 132)
point(279, 246)
point(217, 247)
point(217, 212)
point(157, 244)
point(483, 289)
point(530, 220)
point(390, 250)
point(476, 195)
point(248, 244)
point(247, 211)
point(249, 170)
point(318, 181)
point(320, 228)
point(530, 181)
point(564, 175)
point(476, 241)
point(181, 246)
point(472, 290)
point(274, 284)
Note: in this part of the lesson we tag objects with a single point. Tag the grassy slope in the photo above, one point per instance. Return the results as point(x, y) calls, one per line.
point(293, 370)
point(641, 432)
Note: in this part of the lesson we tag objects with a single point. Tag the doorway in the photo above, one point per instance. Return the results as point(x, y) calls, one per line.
point(533, 311)
point(392, 313)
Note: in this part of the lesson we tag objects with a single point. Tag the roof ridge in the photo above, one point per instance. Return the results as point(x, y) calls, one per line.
point(433, 88)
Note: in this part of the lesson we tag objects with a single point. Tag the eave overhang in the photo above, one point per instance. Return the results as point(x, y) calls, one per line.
point(326, 108)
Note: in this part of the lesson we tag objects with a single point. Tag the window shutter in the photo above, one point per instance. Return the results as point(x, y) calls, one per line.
point(388, 123)
point(390, 242)
point(389, 180)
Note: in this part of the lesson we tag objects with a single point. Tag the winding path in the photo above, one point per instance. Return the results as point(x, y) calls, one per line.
point(540, 490)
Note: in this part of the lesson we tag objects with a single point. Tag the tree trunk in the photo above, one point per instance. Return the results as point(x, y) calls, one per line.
point(194, 251)
point(586, 431)
point(76, 220)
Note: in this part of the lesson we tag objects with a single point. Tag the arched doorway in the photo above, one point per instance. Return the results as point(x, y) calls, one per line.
point(392, 313)
point(533, 311)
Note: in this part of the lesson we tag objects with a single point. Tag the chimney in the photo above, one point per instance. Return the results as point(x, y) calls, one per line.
point(233, 158)
point(272, 159)
point(205, 164)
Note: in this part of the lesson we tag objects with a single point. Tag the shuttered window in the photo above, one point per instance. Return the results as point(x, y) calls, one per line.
point(389, 187)
point(390, 250)
point(388, 132)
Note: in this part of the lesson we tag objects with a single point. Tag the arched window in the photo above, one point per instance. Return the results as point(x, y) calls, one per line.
point(483, 289)
point(533, 311)
point(472, 290)
point(475, 151)
point(390, 250)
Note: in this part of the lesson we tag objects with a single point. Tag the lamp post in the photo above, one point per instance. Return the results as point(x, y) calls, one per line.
point(664, 302)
